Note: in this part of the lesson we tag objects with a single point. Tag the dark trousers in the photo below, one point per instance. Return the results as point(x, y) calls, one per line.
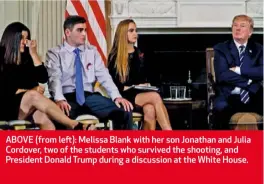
point(224, 109)
point(101, 107)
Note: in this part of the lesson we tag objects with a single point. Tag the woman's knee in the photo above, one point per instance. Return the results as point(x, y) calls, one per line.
point(155, 97)
point(27, 104)
point(149, 112)
point(32, 96)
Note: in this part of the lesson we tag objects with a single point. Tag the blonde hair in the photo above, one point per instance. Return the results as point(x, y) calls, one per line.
point(245, 18)
point(119, 50)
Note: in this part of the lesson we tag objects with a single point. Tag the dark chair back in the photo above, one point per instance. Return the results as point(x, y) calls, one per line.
point(210, 84)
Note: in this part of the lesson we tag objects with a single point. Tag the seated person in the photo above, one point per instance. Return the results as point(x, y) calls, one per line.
point(238, 67)
point(125, 63)
point(73, 68)
point(21, 71)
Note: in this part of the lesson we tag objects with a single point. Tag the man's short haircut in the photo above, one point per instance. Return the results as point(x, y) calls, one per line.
point(72, 20)
point(246, 18)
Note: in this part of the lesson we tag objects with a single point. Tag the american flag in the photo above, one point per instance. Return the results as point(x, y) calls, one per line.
point(94, 13)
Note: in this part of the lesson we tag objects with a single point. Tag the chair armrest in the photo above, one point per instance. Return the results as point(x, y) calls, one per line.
point(210, 91)
point(87, 119)
point(211, 81)
point(19, 122)
point(4, 125)
point(22, 125)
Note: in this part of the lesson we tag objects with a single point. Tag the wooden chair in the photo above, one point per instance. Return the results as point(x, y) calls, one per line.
point(18, 125)
point(210, 84)
point(89, 119)
point(246, 121)
point(4, 125)
point(22, 125)
point(138, 120)
point(239, 121)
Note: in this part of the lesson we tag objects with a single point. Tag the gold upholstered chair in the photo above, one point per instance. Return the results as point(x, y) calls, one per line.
point(18, 125)
point(90, 119)
point(4, 125)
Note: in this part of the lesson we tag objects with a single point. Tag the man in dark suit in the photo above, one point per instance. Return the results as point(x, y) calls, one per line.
point(238, 67)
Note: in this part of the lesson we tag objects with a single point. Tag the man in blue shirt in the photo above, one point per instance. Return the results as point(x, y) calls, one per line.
point(73, 68)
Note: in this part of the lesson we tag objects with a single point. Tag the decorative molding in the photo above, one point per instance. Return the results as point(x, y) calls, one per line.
point(255, 8)
point(207, 14)
point(150, 9)
point(185, 13)
point(119, 7)
point(185, 16)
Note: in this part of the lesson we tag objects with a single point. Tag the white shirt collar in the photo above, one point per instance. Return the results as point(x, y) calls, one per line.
point(238, 44)
point(71, 48)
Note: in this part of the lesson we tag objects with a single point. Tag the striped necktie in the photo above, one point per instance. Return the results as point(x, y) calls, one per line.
point(244, 96)
point(242, 52)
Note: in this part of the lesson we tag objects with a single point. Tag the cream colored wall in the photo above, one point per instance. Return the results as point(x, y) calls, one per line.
point(43, 18)
point(9, 12)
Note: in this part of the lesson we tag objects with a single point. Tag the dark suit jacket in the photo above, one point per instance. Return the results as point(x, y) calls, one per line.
point(227, 56)
point(137, 70)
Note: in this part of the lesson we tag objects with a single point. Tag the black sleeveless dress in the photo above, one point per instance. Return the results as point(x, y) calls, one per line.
point(14, 77)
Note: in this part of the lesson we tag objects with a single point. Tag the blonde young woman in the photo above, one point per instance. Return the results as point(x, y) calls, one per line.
point(126, 66)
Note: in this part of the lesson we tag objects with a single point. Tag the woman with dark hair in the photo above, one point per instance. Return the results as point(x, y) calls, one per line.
point(126, 66)
point(21, 71)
